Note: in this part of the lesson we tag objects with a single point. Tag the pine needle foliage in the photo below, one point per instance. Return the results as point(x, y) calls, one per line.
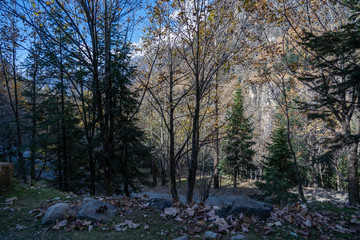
point(279, 175)
point(238, 142)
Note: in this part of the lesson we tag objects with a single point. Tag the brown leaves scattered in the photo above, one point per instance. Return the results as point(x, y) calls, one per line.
point(198, 218)
point(60, 224)
point(302, 220)
point(10, 201)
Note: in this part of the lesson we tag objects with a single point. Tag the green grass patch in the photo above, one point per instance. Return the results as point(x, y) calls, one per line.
point(19, 214)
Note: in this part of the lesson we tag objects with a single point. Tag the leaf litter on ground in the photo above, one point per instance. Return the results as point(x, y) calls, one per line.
point(296, 218)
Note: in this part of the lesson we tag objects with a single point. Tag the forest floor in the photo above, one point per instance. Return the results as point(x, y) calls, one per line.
point(20, 218)
point(248, 189)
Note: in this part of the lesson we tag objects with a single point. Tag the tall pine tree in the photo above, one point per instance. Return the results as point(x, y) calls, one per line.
point(279, 174)
point(238, 142)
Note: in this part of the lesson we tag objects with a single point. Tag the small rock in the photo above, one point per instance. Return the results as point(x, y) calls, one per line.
point(237, 237)
point(98, 210)
point(183, 237)
point(160, 204)
point(210, 235)
point(55, 212)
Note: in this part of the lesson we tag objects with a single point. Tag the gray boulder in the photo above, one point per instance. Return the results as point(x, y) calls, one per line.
point(87, 199)
point(251, 207)
point(98, 210)
point(183, 237)
point(210, 235)
point(223, 212)
point(55, 212)
point(160, 203)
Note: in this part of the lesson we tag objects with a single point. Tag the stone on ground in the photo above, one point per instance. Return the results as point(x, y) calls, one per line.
point(247, 206)
point(223, 212)
point(87, 199)
point(183, 237)
point(210, 235)
point(160, 203)
point(98, 210)
point(55, 212)
point(251, 207)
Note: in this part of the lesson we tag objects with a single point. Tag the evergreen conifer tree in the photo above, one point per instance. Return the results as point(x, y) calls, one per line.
point(279, 175)
point(238, 141)
point(332, 72)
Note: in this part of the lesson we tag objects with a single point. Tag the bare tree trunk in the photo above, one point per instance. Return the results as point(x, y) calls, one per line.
point(352, 164)
point(125, 173)
point(235, 179)
point(163, 177)
point(217, 151)
point(195, 147)
point(33, 118)
point(108, 146)
point(300, 189)
point(154, 171)
point(63, 123)
point(59, 158)
point(174, 193)
point(92, 170)
point(313, 175)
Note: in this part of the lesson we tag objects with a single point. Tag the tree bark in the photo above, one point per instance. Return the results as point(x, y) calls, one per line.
point(217, 152)
point(172, 135)
point(195, 147)
point(352, 163)
point(63, 123)
point(92, 171)
point(235, 179)
point(163, 177)
point(33, 130)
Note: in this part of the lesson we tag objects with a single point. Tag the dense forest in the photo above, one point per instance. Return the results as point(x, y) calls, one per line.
point(263, 91)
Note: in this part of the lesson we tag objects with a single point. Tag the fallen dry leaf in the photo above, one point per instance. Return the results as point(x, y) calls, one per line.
point(307, 223)
point(60, 224)
point(171, 211)
point(10, 200)
point(86, 223)
point(20, 227)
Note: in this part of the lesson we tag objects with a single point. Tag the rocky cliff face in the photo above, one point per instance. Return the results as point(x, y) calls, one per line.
point(260, 106)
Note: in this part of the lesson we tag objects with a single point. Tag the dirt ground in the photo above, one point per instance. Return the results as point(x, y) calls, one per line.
point(246, 189)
